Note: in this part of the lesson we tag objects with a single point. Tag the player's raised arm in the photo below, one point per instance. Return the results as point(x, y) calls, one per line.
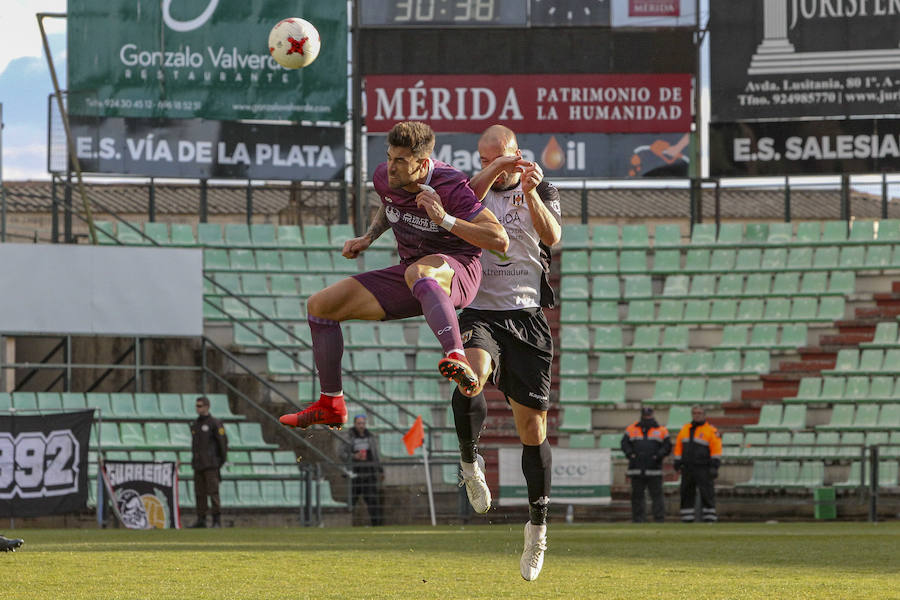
point(482, 181)
point(540, 201)
point(353, 247)
point(484, 230)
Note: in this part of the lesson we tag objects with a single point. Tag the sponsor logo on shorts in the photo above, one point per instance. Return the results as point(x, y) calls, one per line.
point(466, 336)
point(536, 396)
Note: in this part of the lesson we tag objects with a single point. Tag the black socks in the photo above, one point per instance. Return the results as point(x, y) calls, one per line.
point(469, 414)
point(537, 463)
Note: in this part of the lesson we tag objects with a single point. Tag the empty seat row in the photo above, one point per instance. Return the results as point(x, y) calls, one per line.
point(863, 417)
point(886, 336)
point(727, 260)
point(232, 234)
point(241, 463)
point(267, 493)
point(856, 388)
point(427, 388)
point(281, 308)
point(733, 234)
point(259, 284)
point(577, 418)
point(294, 261)
point(785, 474)
point(825, 445)
point(777, 417)
point(153, 435)
point(581, 338)
point(650, 364)
point(121, 405)
point(689, 390)
point(753, 310)
point(871, 361)
point(757, 285)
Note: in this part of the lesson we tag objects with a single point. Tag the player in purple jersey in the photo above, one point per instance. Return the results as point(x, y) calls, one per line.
point(440, 227)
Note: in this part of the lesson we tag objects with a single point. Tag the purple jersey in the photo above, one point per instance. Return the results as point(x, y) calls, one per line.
point(416, 234)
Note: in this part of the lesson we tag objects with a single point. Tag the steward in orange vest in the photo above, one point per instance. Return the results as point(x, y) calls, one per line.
point(646, 443)
point(698, 452)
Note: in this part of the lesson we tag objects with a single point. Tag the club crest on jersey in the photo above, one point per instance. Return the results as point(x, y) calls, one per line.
point(518, 199)
point(392, 214)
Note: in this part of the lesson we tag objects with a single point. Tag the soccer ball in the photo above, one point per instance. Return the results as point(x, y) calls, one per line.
point(294, 43)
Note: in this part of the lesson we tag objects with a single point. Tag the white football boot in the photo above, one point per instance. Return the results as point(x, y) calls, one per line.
point(476, 487)
point(533, 554)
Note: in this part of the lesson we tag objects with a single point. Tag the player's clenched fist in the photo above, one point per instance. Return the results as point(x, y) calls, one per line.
point(429, 200)
point(354, 246)
point(532, 175)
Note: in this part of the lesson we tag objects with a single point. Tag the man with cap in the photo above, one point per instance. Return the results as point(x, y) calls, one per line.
point(646, 443)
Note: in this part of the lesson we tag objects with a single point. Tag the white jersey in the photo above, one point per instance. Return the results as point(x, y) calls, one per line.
point(513, 280)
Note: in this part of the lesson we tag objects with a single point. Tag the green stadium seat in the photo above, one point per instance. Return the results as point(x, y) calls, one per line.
point(646, 337)
point(665, 391)
point(670, 311)
point(575, 236)
point(635, 236)
point(780, 233)
point(645, 363)
point(70, 401)
point(803, 309)
point(842, 282)
point(758, 284)
point(182, 234)
point(633, 261)
point(679, 415)
point(215, 259)
point(241, 260)
point(122, 406)
point(794, 336)
point(808, 233)
point(49, 401)
point(692, 391)
point(5, 401)
point(878, 257)
point(813, 284)
point(889, 230)
point(290, 309)
point(157, 433)
point(248, 493)
point(777, 310)
point(748, 259)
point(777, 445)
point(612, 391)
point(730, 285)
point(147, 406)
point(574, 262)
point(794, 417)
point(703, 234)
point(895, 256)
point(316, 236)
point(573, 287)
point(722, 260)
point(106, 232)
point(130, 233)
point(763, 336)
point(605, 287)
point(582, 441)
point(825, 258)
point(360, 335)
point(237, 234)
point(268, 261)
point(263, 234)
point(254, 284)
point(608, 364)
point(574, 312)
point(573, 390)
point(725, 362)
point(294, 261)
point(667, 236)
point(841, 418)
point(573, 338)
point(393, 360)
point(702, 286)
point(862, 231)
point(696, 261)
point(638, 286)
point(718, 390)
point(774, 259)
point(673, 363)
point(756, 233)
point(607, 338)
point(601, 261)
point(880, 389)
point(757, 362)
point(641, 311)
point(339, 233)
point(831, 309)
point(158, 232)
point(856, 389)
point(576, 418)
point(723, 311)
point(391, 335)
point(675, 337)
point(699, 363)
point(132, 435)
point(731, 234)
point(695, 311)
point(835, 232)
point(762, 475)
point(847, 360)
point(800, 259)
point(734, 336)
point(889, 417)
point(852, 257)
point(666, 261)
point(209, 234)
point(605, 236)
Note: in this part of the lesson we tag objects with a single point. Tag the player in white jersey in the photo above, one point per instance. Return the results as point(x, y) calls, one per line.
point(504, 332)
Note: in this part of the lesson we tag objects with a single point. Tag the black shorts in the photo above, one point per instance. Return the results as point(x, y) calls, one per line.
point(521, 349)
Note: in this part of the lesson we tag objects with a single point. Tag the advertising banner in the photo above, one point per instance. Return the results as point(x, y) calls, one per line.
point(654, 13)
point(791, 58)
point(579, 477)
point(575, 103)
point(202, 149)
point(144, 495)
point(576, 155)
point(43, 463)
point(210, 59)
point(824, 147)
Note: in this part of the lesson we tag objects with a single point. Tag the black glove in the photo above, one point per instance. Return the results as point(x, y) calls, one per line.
point(714, 472)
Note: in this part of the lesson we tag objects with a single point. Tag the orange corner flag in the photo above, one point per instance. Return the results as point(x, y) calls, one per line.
point(415, 437)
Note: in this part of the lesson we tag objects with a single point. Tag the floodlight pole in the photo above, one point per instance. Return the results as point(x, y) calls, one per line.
point(70, 143)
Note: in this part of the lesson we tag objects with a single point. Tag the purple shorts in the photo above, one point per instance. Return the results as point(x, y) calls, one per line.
point(396, 299)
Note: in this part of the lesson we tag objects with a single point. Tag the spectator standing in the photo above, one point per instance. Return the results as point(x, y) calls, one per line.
point(209, 449)
point(698, 452)
point(646, 443)
point(367, 470)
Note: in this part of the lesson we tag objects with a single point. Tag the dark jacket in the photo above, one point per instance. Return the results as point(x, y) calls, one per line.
point(698, 445)
point(646, 443)
point(209, 444)
point(364, 441)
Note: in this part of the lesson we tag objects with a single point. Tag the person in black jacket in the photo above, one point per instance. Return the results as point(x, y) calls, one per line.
point(209, 447)
point(646, 443)
point(362, 453)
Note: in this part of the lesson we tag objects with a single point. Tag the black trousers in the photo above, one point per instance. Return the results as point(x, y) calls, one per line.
point(366, 487)
point(692, 480)
point(206, 483)
point(652, 484)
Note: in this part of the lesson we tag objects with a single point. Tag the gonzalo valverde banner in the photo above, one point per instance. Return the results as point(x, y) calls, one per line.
point(539, 103)
point(43, 463)
point(144, 495)
point(209, 59)
point(579, 477)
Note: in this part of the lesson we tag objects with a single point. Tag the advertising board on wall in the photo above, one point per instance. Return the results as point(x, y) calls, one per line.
point(210, 59)
point(579, 477)
point(773, 59)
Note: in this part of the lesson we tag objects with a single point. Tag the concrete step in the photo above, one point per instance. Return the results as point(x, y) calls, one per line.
point(847, 339)
point(806, 366)
point(768, 394)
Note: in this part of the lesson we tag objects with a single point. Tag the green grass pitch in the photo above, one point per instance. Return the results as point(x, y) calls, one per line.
point(764, 561)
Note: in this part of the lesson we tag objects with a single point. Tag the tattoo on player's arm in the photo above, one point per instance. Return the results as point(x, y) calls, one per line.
point(379, 225)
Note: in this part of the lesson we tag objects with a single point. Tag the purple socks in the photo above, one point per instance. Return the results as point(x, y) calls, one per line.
point(439, 313)
point(328, 348)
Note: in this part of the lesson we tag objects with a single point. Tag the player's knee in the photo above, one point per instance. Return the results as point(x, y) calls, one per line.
point(533, 432)
point(416, 272)
point(317, 306)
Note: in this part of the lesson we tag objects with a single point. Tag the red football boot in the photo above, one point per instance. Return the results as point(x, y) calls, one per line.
point(327, 410)
point(455, 367)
